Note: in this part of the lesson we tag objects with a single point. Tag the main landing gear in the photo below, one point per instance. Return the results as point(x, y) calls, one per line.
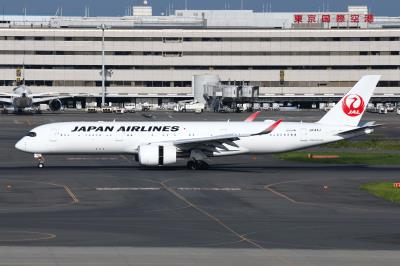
point(41, 160)
point(196, 161)
point(197, 165)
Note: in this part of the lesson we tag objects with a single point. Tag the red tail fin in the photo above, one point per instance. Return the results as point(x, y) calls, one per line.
point(252, 116)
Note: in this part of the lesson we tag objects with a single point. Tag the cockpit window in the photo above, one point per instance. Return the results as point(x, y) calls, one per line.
point(31, 134)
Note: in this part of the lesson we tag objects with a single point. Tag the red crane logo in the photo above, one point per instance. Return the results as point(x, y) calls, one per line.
point(353, 105)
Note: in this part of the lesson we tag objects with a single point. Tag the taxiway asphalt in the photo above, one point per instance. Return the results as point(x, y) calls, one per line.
point(241, 203)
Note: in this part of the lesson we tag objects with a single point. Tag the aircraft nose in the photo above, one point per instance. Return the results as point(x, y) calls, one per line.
point(21, 145)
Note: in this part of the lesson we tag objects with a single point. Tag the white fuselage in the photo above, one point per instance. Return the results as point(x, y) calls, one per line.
point(161, 143)
point(126, 137)
point(23, 100)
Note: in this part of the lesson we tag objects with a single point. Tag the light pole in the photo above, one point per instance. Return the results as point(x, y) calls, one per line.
point(103, 27)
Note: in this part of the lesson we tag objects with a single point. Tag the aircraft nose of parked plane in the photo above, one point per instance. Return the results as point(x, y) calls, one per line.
point(21, 145)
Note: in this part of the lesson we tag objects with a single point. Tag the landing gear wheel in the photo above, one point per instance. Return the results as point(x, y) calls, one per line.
point(41, 160)
point(197, 165)
point(202, 165)
point(191, 165)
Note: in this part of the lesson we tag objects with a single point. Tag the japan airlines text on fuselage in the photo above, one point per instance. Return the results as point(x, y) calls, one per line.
point(160, 143)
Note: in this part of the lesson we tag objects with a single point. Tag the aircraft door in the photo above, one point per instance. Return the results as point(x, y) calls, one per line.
point(304, 134)
point(53, 135)
point(119, 136)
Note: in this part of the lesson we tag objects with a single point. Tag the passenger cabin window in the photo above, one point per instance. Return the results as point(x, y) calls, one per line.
point(31, 134)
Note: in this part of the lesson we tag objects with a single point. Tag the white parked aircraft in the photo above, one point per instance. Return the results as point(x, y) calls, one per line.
point(161, 143)
point(22, 98)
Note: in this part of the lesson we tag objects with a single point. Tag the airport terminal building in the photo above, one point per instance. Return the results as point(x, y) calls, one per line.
point(299, 56)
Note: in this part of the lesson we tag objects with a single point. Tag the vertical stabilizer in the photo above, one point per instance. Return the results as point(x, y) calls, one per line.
point(349, 110)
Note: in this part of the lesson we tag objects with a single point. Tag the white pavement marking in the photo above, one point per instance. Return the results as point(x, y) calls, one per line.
point(158, 188)
point(91, 159)
point(127, 188)
point(210, 188)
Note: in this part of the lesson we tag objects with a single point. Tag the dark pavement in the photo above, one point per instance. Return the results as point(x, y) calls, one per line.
point(240, 202)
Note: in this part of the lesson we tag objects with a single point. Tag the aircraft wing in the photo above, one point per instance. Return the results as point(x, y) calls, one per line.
point(6, 100)
point(220, 138)
point(227, 137)
point(214, 142)
point(5, 94)
point(47, 99)
point(44, 94)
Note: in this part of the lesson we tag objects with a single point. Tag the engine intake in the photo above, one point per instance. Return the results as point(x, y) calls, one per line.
point(55, 105)
point(152, 154)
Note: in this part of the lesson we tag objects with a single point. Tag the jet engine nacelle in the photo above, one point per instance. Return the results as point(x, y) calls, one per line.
point(55, 105)
point(153, 154)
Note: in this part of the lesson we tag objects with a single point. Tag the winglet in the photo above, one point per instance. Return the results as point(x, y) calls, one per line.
point(270, 128)
point(252, 116)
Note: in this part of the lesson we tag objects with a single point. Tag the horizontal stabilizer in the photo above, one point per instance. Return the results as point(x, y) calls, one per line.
point(365, 129)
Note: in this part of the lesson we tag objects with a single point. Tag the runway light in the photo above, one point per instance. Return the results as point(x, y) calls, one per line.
point(326, 187)
point(254, 158)
point(8, 187)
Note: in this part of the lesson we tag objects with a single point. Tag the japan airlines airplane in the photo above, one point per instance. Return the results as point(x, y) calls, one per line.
point(161, 143)
point(22, 98)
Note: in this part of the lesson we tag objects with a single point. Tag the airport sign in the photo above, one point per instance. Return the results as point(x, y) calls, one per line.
point(334, 18)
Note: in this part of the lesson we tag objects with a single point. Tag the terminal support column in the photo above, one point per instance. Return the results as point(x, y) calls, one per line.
point(103, 27)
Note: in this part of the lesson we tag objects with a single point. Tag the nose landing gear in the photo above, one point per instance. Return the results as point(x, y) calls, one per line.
point(41, 160)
